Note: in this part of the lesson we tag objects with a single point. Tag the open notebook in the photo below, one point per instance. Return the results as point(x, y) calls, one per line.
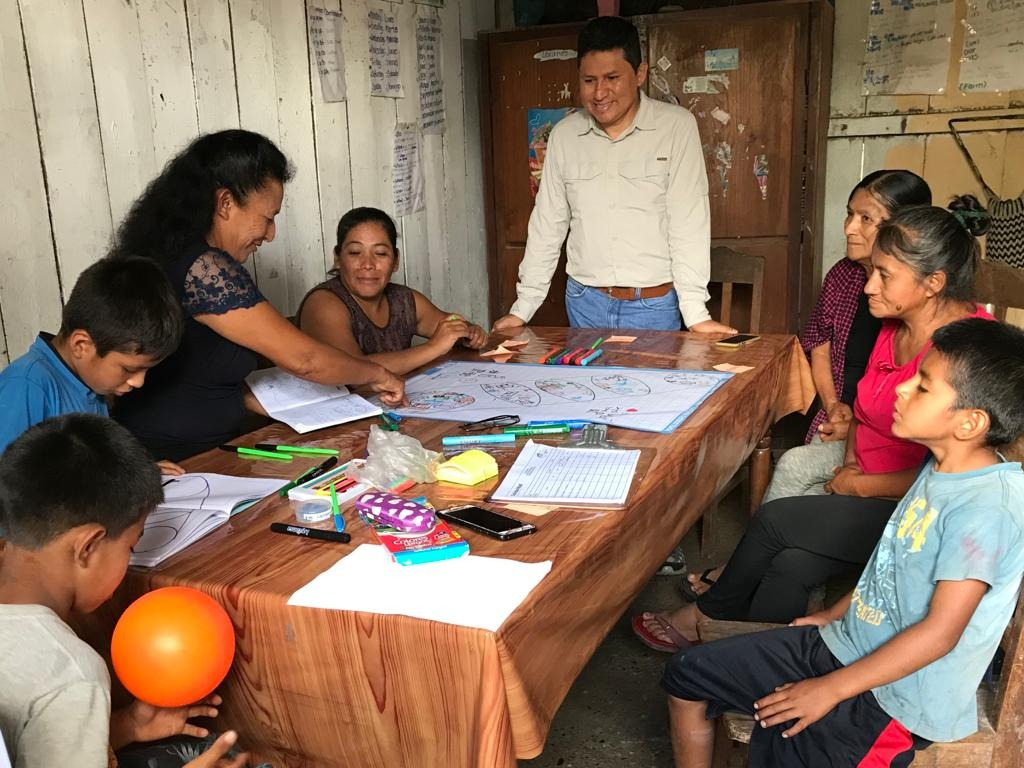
point(304, 405)
point(195, 504)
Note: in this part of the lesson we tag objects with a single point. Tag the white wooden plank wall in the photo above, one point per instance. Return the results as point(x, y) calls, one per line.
point(910, 131)
point(97, 95)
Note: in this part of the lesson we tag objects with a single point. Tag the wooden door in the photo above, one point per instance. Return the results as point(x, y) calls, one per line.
point(535, 72)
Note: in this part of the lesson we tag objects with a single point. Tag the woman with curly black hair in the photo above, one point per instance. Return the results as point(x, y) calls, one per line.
point(210, 209)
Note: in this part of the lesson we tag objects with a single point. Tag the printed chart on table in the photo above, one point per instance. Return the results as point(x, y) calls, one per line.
point(648, 399)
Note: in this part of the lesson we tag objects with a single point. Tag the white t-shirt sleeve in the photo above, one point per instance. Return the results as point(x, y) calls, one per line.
point(70, 726)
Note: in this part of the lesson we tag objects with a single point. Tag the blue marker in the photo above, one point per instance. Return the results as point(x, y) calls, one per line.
point(592, 357)
point(470, 439)
point(569, 424)
point(393, 416)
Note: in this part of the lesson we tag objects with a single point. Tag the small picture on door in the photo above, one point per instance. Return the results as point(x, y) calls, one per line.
point(539, 123)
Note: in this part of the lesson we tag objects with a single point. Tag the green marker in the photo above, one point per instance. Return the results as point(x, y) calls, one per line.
point(597, 343)
point(256, 453)
point(304, 449)
point(527, 431)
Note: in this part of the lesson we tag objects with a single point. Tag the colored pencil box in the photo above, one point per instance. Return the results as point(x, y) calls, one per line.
point(395, 512)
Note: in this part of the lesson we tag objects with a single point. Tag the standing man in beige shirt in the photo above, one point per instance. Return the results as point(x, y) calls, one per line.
point(626, 180)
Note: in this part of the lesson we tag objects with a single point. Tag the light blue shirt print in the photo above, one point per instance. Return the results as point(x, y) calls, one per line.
point(949, 527)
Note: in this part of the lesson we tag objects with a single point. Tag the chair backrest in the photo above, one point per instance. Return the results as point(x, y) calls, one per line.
point(731, 268)
point(999, 285)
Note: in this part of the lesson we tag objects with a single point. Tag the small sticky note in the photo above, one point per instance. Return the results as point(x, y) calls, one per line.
point(514, 343)
point(493, 352)
point(620, 340)
point(502, 358)
point(719, 59)
point(530, 509)
point(664, 63)
point(730, 368)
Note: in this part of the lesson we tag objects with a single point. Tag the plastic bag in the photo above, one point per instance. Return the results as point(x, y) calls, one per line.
point(392, 456)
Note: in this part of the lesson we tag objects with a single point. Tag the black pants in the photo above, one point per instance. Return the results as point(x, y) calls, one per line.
point(792, 546)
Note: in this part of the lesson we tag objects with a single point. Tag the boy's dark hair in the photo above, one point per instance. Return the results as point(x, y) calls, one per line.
point(126, 304)
point(895, 189)
point(70, 471)
point(986, 368)
point(365, 215)
point(929, 239)
point(608, 33)
point(176, 210)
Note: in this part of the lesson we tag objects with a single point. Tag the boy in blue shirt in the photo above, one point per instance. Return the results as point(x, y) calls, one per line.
point(65, 548)
point(121, 319)
point(895, 664)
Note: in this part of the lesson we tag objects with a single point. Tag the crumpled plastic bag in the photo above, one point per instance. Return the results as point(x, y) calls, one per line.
point(392, 457)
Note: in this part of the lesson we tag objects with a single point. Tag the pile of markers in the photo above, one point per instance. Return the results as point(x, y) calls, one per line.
point(573, 355)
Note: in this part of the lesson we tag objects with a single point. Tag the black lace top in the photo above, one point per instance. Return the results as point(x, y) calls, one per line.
point(192, 401)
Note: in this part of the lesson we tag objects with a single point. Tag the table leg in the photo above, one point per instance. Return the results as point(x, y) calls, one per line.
point(760, 471)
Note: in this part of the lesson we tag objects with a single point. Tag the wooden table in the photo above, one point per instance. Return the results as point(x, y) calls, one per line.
point(336, 688)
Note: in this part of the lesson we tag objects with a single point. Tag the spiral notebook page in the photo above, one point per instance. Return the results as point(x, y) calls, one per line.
point(546, 474)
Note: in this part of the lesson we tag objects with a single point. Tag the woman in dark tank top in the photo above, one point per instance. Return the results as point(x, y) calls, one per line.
point(360, 311)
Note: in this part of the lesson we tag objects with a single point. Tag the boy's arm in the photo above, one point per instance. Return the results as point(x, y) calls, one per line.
point(951, 607)
point(834, 612)
point(69, 727)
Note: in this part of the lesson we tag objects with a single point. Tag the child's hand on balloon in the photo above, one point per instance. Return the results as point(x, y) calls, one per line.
point(214, 757)
point(140, 722)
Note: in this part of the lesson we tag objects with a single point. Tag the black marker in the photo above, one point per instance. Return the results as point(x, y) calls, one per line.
point(311, 533)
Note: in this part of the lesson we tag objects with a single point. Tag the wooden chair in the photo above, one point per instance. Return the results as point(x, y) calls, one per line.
point(999, 286)
point(998, 742)
point(730, 268)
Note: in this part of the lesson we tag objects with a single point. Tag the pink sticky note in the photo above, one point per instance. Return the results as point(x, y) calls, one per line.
point(493, 352)
point(730, 368)
point(620, 339)
point(501, 358)
point(514, 343)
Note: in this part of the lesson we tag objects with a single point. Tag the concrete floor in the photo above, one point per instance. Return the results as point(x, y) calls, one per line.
point(615, 713)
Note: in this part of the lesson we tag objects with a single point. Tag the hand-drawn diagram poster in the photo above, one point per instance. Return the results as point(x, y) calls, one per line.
point(908, 46)
point(539, 123)
point(647, 399)
point(993, 54)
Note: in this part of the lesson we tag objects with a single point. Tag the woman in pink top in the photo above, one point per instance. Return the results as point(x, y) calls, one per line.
point(922, 278)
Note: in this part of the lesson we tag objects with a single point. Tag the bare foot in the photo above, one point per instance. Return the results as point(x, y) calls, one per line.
point(683, 621)
point(698, 586)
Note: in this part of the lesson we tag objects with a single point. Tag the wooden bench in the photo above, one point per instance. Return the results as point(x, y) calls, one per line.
point(998, 743)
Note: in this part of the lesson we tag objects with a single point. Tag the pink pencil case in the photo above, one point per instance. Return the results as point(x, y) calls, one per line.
point(395, 512)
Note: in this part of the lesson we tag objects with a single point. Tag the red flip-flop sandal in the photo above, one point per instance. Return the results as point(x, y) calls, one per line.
point(648, 638)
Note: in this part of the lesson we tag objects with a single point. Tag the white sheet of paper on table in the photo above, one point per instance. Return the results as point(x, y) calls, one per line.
point(549, 474)
point(474, 591)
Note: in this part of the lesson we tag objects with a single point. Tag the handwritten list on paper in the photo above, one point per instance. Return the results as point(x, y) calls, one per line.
point(325, 48)
point(385, 62)
point(993, 52)
point(406, 179)
point(428, 73)
point(908, 46)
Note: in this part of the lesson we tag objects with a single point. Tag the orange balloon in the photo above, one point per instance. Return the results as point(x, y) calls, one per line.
point(173, 646)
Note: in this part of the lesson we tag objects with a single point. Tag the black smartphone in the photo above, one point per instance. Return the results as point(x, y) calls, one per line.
point(487, 522)
point(737, 341)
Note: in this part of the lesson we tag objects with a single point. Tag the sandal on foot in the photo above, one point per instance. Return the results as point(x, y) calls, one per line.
point(686, 588)
point(677, 641)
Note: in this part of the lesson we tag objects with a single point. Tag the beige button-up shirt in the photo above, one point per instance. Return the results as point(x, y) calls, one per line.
point(636, 209)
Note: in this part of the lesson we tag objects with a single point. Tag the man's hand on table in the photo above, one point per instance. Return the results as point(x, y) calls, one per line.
point(508, 323)
point(711, 326)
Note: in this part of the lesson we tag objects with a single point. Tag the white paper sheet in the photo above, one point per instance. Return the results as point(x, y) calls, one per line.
point(908, 47)
point(993, 54)
point(328, 56)
point(471, 591)
point(546, 474)
point(428, 74)
point(406, 178)
point(304, 405)
point(385, 62)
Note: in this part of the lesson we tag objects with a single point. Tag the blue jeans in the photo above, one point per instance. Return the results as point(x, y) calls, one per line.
point(591, 308)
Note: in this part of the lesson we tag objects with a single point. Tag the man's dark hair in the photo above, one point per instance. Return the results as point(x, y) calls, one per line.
point(608, 33)
point(70, 471)
point(986, 368)
point(126, 304)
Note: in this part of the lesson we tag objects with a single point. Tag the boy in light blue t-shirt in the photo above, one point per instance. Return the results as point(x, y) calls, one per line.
point(895, 664)
point(121, 319)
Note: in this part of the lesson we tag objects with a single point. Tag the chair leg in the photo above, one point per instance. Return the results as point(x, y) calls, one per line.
point(760, 471)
